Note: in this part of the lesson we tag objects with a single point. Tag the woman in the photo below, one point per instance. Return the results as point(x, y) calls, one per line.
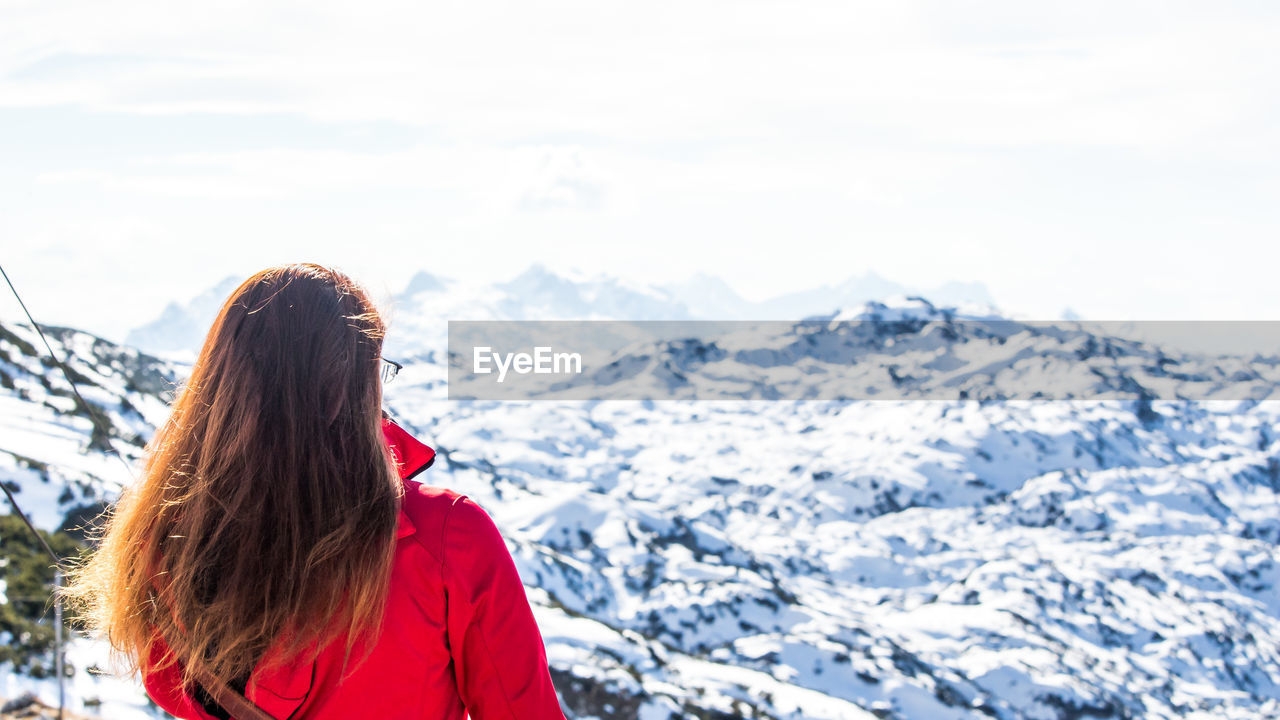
point(275, 548)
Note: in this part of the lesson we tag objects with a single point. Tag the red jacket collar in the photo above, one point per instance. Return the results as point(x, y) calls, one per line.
point(411, 457)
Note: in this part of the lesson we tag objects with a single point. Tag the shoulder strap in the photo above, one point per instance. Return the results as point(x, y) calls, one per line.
point(239, 706)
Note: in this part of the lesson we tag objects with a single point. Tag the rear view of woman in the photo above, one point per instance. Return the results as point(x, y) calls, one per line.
point(276, 549)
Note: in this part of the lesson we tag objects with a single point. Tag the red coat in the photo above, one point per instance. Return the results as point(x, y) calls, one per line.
point(458, 638)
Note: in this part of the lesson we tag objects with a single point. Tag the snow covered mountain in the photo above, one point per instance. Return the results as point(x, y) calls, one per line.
point(709, 298)
point(767, 559)
point(180, 328)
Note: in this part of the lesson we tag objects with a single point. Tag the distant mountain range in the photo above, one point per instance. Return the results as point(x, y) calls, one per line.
point(538, 293)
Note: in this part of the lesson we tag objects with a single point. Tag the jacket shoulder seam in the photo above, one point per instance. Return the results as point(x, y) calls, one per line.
point(444, 534)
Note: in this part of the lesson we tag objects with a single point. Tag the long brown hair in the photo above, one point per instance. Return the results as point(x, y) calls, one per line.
point(266, 513)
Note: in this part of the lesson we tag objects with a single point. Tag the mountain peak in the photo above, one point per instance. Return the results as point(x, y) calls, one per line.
point(181, 327)
point(423, 281)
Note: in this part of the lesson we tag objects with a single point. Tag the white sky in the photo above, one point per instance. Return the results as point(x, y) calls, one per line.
point(1117, 158)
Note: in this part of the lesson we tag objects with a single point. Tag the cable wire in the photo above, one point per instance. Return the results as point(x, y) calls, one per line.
point(93, 416)
point(56, 560)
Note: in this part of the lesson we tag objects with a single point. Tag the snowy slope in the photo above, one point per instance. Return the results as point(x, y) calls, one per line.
point(50, 447)
point(919, 559)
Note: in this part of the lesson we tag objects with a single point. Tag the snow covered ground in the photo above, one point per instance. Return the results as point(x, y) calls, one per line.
point(98, 688)
point(922, 559)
